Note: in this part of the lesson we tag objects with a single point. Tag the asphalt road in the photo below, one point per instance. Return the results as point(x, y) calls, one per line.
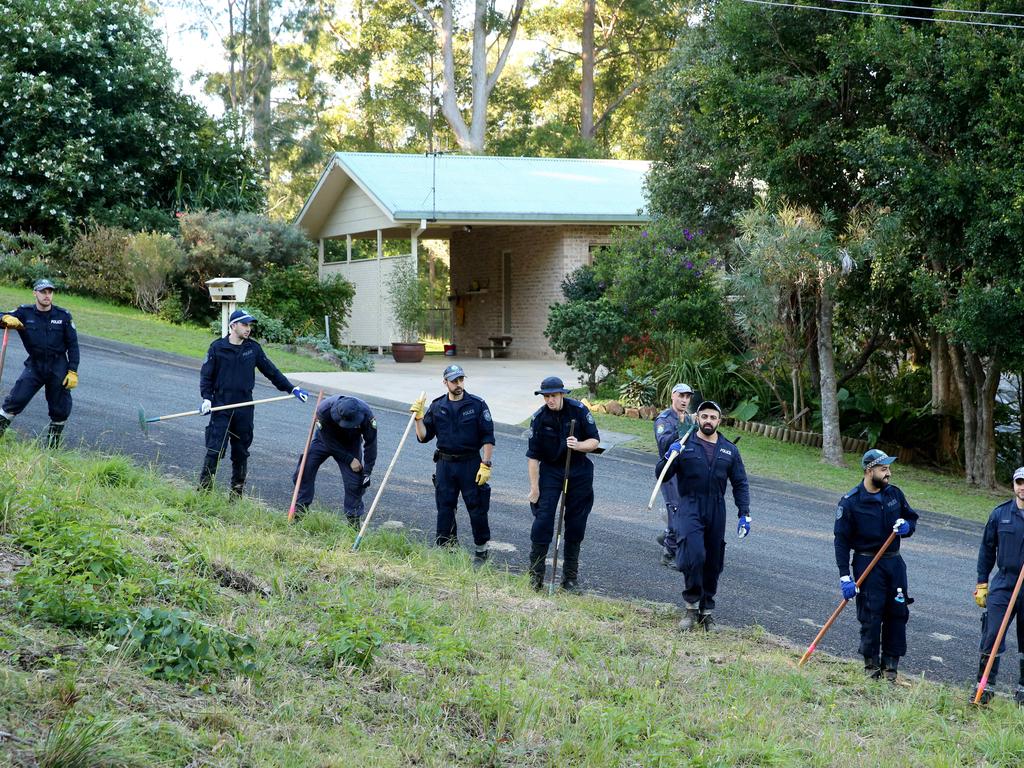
point(782, 576)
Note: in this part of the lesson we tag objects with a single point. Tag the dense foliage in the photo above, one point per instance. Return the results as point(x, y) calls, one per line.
point(92, 125)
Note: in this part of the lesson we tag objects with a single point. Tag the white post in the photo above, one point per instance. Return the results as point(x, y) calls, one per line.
point(320, 258)
point(327, 328)
point(225, 312)
point(380, 293)
point(348, 248)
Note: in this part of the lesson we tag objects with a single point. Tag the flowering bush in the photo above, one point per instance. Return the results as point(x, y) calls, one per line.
point(92, 126)
point(666, 281)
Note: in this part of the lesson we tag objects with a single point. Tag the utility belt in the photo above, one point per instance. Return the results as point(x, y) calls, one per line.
point(885, 556)
point(442, 456)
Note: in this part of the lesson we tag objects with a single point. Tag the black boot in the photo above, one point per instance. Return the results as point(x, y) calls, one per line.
point(571, 567)
point(238, 473)
point(4, 424)
point(208, 472)
point(538, 565)
point(53, 433)
point(480, 555)
point(872, 667)
point(706, 621)
point(1018, 695)
point(987, 695)
point(889, 666)
point(691, 619)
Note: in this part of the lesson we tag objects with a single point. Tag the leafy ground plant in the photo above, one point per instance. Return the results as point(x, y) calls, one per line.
point(402, 654)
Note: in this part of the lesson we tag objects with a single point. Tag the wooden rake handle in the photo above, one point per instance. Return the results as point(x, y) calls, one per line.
point(664, 471)
point(384, 481)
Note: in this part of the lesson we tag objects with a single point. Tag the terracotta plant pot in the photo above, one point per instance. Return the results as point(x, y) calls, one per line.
point(408, 353)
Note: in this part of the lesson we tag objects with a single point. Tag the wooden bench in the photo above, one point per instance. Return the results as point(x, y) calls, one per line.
point(498, 347)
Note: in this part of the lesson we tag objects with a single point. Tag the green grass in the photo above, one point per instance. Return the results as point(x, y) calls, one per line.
point(131, 326)
point(925, 488)
point(396, 655)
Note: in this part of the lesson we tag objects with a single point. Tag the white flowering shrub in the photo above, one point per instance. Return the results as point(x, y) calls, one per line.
point(92, 125)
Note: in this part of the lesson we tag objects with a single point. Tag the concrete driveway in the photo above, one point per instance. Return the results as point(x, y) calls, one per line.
point(506, 385)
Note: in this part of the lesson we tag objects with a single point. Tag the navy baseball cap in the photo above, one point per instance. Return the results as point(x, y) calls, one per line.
point(42, 284)
point(347, 413)
point(453, 372)
point(550, 386)
point(241, 316)
point(709, 405)
point(875, 458)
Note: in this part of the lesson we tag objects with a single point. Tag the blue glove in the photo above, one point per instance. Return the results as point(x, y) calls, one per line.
point(676, 447)
point(743, 526)
point(901, 526)
point(300, 393)
point(849, 587)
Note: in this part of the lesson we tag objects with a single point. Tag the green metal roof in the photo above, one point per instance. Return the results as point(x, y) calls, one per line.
point(480, 188)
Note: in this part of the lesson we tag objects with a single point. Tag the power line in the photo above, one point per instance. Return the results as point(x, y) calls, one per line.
point(934, 10)
point(885, 15)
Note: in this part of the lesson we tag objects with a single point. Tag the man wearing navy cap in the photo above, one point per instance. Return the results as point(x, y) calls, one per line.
point(228, 376)
point(462, 424)
point(546, 454)
point(1002, 546)
point(51, 342)
point(671, 425)
point(701, 470)
point(864, 519)
point(346, 431)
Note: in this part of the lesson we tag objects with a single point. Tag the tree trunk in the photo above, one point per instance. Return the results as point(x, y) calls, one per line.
point(263, 67)
point(978, 381)
point(945, 401)
point(587, 83)
point(831, 443)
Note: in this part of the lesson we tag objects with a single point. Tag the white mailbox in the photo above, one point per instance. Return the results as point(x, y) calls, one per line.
point(228, 289)
point(228, 292)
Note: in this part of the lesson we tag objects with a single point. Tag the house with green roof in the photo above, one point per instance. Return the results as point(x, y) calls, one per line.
point(516, 226)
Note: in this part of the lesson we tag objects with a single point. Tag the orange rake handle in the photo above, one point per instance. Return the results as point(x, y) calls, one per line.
point(999, 638)
point(302, 461)
point(839, 609)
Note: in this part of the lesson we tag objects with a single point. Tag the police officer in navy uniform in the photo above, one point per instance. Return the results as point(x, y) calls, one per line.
point(462, 424)
point(228, 376)
point(346, 431)
point(51, 342)
point(546, 454)
point(864, 519)
point(704, 465)
point(1002, 545)
point(671, 425)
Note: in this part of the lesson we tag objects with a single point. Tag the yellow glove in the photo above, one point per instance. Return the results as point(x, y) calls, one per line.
point(483, 474)
point(419, 407)
point(71, 380)
point(981, 595)
point(10, 321)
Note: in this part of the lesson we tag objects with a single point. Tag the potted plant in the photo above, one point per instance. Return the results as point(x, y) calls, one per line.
point(409, 307)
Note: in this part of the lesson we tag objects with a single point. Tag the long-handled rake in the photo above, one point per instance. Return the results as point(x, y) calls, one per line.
point(383, 482)
point(145, 422)
point(561, 512)
point(302, 461)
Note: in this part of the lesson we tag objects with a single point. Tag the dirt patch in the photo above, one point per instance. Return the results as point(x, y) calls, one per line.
point(240, 581)
point(29, 659)
point(10, 563)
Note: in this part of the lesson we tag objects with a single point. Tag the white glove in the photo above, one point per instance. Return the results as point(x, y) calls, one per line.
point(205, 407)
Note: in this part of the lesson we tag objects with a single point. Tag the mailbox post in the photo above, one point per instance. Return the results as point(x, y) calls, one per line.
point(228, 292)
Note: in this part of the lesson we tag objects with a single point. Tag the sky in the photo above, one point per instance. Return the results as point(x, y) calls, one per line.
point(189, 52)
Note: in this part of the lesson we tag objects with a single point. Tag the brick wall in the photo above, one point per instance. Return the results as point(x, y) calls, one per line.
point(541, 257)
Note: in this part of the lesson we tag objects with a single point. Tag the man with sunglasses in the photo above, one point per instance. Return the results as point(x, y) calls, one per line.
point(864, 519)
point(1002, 545)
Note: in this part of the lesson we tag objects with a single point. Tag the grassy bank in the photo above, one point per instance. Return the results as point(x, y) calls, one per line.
point(925, 488)
point(144, 624)
point(110, 321)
